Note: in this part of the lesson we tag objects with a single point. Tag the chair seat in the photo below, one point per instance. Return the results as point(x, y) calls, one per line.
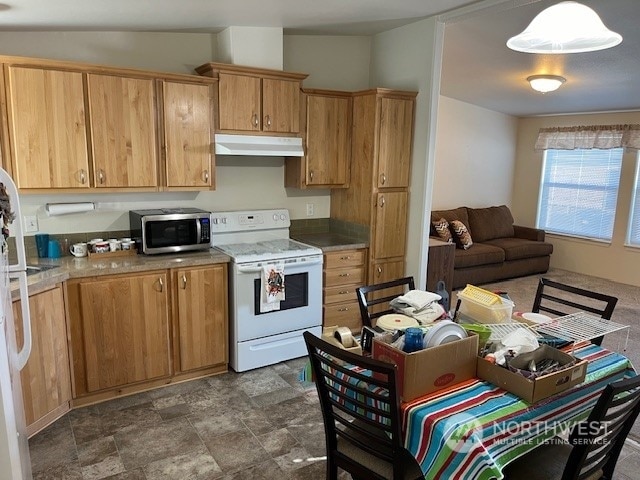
point(546, 462)
point(382, 468)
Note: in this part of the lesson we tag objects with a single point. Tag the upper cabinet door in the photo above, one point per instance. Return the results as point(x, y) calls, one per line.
point(240, 106)
point(123, 133)
point(47, 128)
point(328, 140)
point(188, 134)
point(394, 144)
point(280, 106)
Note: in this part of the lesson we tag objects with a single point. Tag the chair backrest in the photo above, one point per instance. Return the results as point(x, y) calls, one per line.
point(597, 442)
point(560, 299)
point(374, 299)
point(360, 405)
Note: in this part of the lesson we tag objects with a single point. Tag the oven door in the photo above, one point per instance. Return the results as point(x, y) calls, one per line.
point(301, 309)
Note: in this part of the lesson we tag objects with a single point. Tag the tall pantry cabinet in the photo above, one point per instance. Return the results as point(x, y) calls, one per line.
point(378, 194)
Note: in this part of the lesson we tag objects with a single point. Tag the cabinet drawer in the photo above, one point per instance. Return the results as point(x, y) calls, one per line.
point(344, 276)
point(344, 258)
point(341, 293)
point(343, 315)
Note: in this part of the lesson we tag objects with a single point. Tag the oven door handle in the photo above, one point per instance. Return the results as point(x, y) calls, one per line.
point(253, 268)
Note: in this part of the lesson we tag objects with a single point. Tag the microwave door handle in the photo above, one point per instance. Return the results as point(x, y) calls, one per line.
point(198, 231)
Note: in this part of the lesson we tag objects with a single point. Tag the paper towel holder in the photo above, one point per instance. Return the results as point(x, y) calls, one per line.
point(53, 209)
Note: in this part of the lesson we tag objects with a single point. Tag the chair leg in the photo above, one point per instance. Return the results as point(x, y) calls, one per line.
point(332, 470)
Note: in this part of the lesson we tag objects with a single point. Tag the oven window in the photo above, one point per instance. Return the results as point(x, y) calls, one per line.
point(171, 233)
point(296, 293)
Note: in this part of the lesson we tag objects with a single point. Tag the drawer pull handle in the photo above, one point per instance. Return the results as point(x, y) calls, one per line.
point(343, 292)
point(344, 275)
point(379, 271)
point(343, 309)
point(348, 257)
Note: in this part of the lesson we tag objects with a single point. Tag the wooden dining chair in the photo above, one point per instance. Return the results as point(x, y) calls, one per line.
point(361, 413)
point(560, 299)
point(374, 299)
point(594, 445)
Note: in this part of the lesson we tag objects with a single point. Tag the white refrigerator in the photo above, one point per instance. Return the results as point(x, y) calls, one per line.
point(15, 463)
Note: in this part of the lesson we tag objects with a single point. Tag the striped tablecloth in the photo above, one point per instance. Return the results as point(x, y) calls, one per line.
point(473, 429)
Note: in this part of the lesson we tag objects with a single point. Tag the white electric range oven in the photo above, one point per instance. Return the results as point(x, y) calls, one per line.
point(254, 239)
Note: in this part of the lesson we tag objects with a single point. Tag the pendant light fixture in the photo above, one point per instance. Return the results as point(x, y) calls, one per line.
point(567, 27)
point(545, 83)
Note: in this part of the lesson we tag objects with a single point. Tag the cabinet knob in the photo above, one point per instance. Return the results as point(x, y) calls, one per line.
point(205, 176)
point(383, 179)
point(267, 120)
point(379, 271)
point(382, 200)
point(161, 283)
point(311, 175)
point(83, 176)
point(101, 176)
point(254, 120)
point(184, 281)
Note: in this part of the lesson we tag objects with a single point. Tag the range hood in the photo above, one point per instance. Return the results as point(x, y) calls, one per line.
point(258, 145)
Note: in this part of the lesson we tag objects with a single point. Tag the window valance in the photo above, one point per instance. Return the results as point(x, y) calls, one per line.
point(588, 137)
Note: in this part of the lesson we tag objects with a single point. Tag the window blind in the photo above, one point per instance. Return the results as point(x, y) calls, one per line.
point(633, 237)
point(579, 192)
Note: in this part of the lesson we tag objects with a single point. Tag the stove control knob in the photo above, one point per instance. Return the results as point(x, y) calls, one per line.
point(224, 220)
point(275, 217)
point(215, 220)
point(282, 216)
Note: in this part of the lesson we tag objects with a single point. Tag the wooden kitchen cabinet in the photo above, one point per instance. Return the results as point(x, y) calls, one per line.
point(122, 118)
point(378, 195)
point(47, 130)
point(256, 99)
point(46, 378)
point(201, 317)
point(327, 134)
point(343, 272)
point(119, 326)
point(188, 134)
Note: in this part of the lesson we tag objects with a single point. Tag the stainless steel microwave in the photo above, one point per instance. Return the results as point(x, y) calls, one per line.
point(170, 230)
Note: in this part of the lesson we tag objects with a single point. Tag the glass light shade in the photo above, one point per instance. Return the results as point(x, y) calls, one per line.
point(545, 83)
point(568, 27)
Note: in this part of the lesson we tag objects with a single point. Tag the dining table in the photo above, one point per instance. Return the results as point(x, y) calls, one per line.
point(473, 429)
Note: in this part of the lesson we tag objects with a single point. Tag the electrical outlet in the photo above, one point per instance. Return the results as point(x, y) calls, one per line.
point(309, 209)
point(30, 223)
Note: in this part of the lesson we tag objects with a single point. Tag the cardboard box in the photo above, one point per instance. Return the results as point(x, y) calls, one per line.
point(328, 335)
point(539, 388)
point(431, 369)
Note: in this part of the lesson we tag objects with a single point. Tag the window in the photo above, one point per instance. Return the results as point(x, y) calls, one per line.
point(633, 235)
point(579, 192)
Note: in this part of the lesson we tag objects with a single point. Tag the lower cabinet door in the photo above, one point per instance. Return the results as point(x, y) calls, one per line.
point(122, 322)
point(202, 316)
point(45, 379)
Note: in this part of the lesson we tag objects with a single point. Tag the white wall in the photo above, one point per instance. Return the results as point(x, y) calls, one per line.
point(606, 260)
point(405, 58)
point(242, 182)
point(474, 156)
point(332, 62)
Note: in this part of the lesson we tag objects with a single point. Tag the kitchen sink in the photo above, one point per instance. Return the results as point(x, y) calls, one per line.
point(33, 269)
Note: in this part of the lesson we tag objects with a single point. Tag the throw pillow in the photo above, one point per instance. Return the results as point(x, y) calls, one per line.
point(442, 229)
point(463, 237)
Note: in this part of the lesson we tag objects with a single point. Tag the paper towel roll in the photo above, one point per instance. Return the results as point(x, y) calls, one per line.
point(65, 208)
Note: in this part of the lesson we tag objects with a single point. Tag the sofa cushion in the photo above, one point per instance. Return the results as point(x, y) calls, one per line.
point(518, 248)
point(480, 254)
point(450, 215)
point(442, 230)
point(489, 223)
point(461, 235)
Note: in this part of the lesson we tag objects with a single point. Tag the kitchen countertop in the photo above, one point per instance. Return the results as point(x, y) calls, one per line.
point(329, 242)
point(72, 267)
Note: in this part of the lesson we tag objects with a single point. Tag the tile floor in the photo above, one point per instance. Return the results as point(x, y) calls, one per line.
point(262, 424)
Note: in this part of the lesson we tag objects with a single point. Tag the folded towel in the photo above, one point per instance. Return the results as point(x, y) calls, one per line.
point(272, 281)
point(419, 298)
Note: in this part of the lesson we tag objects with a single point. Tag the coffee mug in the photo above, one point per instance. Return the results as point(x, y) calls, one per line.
point(115, 245)
point(128, 245)
point(79, 249)
point(101, 247)
point(53, 250)
point(42, 244)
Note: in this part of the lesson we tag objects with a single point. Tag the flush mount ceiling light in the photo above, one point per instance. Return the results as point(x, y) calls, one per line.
point(568, 27)
point(545, 83)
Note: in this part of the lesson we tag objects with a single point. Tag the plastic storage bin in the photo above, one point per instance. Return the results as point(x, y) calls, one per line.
point(483, 306)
